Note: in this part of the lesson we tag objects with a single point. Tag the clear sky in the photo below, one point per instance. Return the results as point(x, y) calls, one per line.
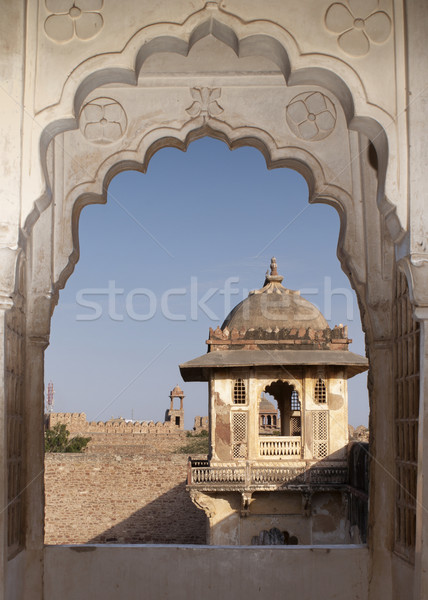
point(168, 256)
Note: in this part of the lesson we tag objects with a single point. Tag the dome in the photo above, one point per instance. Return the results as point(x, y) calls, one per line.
point(274, 307)
point(177, 392)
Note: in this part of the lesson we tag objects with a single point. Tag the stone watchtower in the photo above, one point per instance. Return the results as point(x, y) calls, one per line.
point(175, 415)
point(275, 342)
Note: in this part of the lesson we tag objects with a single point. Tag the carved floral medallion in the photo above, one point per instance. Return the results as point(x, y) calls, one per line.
point(73, 19)
point(311, 116)
point(103, 121)
point(359, 23)
point(205, 102)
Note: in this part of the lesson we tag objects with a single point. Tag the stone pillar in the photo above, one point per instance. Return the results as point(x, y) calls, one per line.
point(253, 418)
point(12, 57)
point(415, 246)
point(382, 468)
point(34, 493)
point(304, 395)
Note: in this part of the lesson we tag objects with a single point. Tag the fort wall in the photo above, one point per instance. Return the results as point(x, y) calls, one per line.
point(127, 487)
point(120, 498)
point(77, 424)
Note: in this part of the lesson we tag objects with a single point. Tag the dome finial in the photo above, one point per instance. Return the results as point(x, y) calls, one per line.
point(273, 267)
point(273, 277)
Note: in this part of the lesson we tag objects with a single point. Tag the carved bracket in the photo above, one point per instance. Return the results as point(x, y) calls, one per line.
point(246, 500)
point(307, 503)
point(203, 502)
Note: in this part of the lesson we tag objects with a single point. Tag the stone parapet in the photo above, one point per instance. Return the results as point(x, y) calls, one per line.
point(278, 339)
point(78, 424)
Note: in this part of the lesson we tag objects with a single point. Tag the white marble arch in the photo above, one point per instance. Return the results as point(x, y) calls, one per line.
point(363, 166)
point(328, 180)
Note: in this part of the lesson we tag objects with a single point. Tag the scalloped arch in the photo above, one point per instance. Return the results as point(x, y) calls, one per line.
point(244, 38)
point(320, 191)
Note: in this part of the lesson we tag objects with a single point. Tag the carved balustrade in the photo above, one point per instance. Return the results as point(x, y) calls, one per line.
point(254, 476)
point(280, 446)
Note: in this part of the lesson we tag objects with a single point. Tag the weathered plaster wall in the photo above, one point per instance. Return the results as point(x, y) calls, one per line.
point(324, 521)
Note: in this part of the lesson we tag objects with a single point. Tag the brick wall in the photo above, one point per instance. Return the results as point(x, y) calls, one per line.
point(120, 497)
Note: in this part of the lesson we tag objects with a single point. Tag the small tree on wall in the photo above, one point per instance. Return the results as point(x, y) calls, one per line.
point(58, 439)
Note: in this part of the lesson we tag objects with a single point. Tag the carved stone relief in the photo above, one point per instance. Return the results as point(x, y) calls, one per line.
point(205, 102)
point(103, 121)
point(70, 19)
point(359, 24)
point(311, 116)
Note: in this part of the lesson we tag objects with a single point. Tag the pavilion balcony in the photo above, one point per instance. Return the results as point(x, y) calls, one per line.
point(268, 476)
point(280, 446)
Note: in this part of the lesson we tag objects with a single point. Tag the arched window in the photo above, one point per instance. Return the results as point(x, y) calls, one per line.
point(320, 392)
point(269, 420)
point(295, 402)
point(239, 394)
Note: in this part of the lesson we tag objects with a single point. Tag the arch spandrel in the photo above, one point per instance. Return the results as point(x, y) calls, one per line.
point(281, 40)
point(189, 22)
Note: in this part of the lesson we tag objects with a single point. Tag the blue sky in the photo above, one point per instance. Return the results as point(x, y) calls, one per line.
point(168, 245)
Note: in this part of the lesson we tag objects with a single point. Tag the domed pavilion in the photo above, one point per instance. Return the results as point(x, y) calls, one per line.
point(275, 342)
